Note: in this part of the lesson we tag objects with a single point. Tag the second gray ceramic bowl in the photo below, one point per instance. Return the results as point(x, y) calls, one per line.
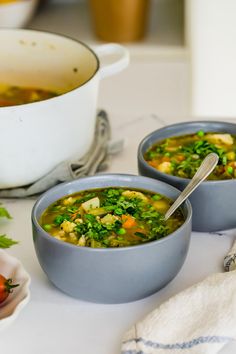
point(213, 202)
point(110, 275)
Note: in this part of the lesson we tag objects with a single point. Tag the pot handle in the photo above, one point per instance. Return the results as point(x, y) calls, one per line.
point(119, 64)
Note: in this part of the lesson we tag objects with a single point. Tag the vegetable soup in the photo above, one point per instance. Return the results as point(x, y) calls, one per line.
point(110, 217)
point(16, 95)
point(181, 156)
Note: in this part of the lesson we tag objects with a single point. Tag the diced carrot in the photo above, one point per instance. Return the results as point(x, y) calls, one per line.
point(74, 216)
point(180, 157)
point(165, 159)
point(4, 103)
point(154, 163)
point(128, 221)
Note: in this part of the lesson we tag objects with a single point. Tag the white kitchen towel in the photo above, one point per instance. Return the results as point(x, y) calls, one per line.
point(199, 320)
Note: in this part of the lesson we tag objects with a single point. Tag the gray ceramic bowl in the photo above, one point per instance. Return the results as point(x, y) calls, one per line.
point(213, 202)
point(110, 275)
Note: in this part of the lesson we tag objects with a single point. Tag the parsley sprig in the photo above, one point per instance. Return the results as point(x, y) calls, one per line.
point(4, 213)
point(5, 242)
point(114, 202)
point(200, 148)
point(203, 148)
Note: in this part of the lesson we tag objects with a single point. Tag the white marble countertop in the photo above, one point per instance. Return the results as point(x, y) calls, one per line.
point(148, 94)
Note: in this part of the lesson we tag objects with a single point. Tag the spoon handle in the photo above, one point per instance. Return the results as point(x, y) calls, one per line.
point(206, 167)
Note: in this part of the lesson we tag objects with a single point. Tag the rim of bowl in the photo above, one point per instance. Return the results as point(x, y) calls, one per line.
point(57, 35)
point(172, 177)
point(98, 177)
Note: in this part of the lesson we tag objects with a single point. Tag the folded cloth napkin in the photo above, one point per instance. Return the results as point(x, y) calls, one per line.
point(199, 320)
point(96, 159)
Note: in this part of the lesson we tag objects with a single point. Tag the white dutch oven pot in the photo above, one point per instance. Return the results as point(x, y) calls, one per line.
point(35, 137)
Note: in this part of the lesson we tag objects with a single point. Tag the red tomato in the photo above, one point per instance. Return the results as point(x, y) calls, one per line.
point(6, 287)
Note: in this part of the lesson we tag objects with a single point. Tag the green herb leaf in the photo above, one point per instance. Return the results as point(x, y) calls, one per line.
point(60, 218)
point(200, 133)
point(4, 213)
point(230, 170)
point(140, 234)
point(6, 242)
point(156, 197)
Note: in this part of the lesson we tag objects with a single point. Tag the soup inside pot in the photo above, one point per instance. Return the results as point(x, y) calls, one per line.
point(110, 217)
point(15, 95)
point(181, 156)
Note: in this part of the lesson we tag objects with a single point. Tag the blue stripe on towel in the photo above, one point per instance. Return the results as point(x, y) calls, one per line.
point(184, 345)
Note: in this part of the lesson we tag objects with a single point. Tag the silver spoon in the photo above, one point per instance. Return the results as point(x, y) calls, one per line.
point(206, 167)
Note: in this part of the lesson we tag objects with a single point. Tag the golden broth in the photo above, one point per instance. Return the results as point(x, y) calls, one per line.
point(17, 95)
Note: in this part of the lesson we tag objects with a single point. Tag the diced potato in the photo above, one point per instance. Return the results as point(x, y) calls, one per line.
point(109, 219)
point(56, 234)
point(69, 201)
point(78, 221)
point(161, 205)
point(82, 241)
point(164, 167)
point(91, 204)
point(226, 139)
point(98, 211)
point(73, 237)
point(231, 155)
point(68, 226)
point(134, 194)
